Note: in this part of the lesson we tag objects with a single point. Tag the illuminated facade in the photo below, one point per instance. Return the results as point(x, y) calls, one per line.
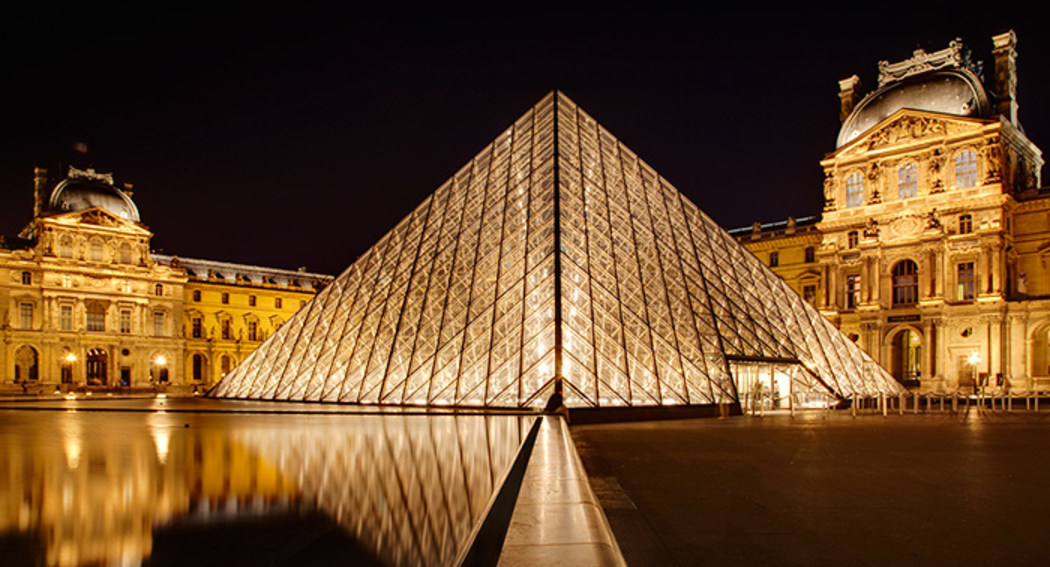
point(557, 261)
point(932, 248)
point(83, 302)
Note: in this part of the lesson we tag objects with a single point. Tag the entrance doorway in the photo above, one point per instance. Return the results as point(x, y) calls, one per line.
point(906, 357)
point(26, 364)
point(766, 386)
point(97, 367)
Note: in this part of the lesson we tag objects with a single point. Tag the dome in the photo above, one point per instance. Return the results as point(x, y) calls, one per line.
point(86, 189)
point(947, 91)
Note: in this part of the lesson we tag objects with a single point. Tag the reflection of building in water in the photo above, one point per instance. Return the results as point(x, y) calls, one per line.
point(83, 300)
point(94, 487)
point(932, 250)
point(410, 489)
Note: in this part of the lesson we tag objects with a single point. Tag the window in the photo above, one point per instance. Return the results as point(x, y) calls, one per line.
point(811, 254)
point(852, 291)
point(95, 250)
point(774, 261)
point(125, 253)
point(25, 315)
point(125, 320)
point(253, 331)
point(907, 180)
point(225, 298)
point(65, 317)
point(27, 278)
point(158, 323)
point(965, 224)
point(965, 280)
point(809, 293)
point(65, 246)
point(966, 169)
point(227, 329)
point(251, 301)
point(852, 238)
point(197, 295)
point(854, 190)
point(225, 365)
point(67, 280)
point(158, 290)
point(905, 283)
point(198, 367)
point(96, 318)
point(277, 303)
point(197, 328)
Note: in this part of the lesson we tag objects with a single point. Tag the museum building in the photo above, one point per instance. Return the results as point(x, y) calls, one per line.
point(932, 250)
point(85, 303)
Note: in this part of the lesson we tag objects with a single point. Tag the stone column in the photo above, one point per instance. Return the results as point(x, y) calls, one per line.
point(1005, 54)
point(928, 346)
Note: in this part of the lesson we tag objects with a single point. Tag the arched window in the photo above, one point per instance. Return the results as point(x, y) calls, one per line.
point(27, 278)
point(95, 250)
point(65, 246)
point(26, 364)
point(158, 290)
point(125, 253)
point(198, 367)
point(851, 239)
point(854, 190)
point(906, 356)
point(965, 224)
point(226, 364)
point(905, 283)
point(966, 169)
point(907, 180)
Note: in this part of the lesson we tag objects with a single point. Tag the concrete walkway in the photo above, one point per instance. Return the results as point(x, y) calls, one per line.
point(906, 490)
point(557, 519)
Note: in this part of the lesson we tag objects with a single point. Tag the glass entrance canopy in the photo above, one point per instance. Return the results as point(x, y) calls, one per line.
point(556, 259)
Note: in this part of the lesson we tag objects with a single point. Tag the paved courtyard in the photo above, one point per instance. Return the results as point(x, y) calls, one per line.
point(935, 489)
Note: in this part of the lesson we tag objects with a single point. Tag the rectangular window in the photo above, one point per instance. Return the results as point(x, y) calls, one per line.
point(966, 281)
point(277, 303)
point(25, 315)
point(196, 295)
point(253, 331)
point(809, 293)
point(851, 239)
point(251, 301)
point(774, 261)
point(27, 278)
point(96, 320)
point(227, 329)
point(965, 224)
point(65, 317)
point(158, 323)
point(125, 320)
point(852, 291)
point(197, 329)
point(811, 254)
point(67, 281)
point(225, 298)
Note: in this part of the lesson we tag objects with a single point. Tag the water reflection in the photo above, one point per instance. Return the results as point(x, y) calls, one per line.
point(157, 488)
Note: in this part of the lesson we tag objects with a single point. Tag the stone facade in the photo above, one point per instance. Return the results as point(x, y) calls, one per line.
point(934, 237)
point(84, 303)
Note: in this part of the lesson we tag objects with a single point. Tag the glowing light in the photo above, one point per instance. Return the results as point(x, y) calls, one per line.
point(70, 357)
point(161, 360)
point(161, 396)
point(974, 359)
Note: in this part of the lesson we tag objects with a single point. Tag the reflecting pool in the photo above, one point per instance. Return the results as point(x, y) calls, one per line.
point(203, 482)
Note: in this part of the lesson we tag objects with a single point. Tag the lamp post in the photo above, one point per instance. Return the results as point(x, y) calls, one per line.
point(974, 359)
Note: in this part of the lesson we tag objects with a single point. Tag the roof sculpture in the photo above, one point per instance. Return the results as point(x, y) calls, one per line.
point(555, 259)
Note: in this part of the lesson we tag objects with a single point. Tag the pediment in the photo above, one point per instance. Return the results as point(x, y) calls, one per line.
point(99, 217)
point(906, 126)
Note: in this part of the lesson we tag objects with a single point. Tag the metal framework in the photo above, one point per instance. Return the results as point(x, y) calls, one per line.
point(556, 257)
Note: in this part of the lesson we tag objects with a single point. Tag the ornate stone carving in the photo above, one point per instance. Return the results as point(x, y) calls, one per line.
point(829, 191)
point(871, 230)
point(936, 164)
point(993, 160)
point(955, 55)
point(933, 221)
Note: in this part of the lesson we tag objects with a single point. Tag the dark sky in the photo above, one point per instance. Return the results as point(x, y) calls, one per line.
point(298, 139)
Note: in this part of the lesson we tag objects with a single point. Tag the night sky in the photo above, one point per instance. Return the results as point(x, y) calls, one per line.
point(298, 139)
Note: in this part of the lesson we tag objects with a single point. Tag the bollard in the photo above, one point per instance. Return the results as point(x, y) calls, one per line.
point(915, 402)
point(1036, 400)
point(955, 402)
point(1010, 401)
point(900, 404)
point(853, 406)
point(883, 405)
point(942, 403)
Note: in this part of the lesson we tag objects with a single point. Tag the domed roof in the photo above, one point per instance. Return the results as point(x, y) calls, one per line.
point(946, 81)
point(86, 189)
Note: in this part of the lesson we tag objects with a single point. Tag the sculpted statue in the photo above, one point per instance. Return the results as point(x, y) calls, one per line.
point(872, 229)
point(993, 158)
point(932, 220)
point(936, 163)
point(829, 192)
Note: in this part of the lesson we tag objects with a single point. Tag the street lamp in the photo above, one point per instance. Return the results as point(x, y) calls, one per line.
point(71, 358)
point(974, 359)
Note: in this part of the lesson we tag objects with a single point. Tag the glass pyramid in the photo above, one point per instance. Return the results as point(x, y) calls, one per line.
point(555, 257)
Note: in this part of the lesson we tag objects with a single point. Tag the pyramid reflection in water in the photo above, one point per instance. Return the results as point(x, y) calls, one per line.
point(554, 256)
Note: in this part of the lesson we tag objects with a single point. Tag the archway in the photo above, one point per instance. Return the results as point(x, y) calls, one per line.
point(199, 365)
point(906, 356)
point(97, 367)
point(26, 364)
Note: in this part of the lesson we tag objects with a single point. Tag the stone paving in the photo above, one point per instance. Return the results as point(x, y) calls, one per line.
point(819, 489)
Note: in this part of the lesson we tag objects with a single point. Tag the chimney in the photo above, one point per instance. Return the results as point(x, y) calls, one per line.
point(1005, 53)
point(39, 187)
point(848, 95)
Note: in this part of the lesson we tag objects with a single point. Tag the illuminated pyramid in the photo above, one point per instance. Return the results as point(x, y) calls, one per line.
point(555, 257)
